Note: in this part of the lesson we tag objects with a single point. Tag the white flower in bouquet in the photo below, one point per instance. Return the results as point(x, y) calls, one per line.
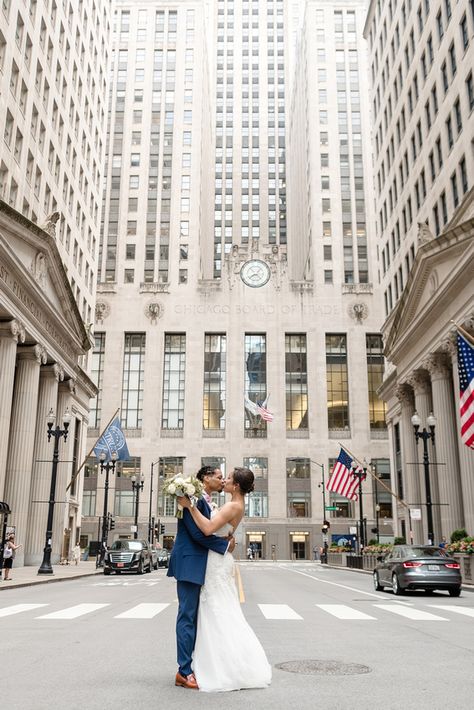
point(181, 486)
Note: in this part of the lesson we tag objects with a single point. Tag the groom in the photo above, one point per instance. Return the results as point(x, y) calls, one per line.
point(188, 565)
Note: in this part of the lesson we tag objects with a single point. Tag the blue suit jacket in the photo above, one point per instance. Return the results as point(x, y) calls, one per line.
point(189, 555)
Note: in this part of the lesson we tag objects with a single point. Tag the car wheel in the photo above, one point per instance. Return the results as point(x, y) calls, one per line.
point(455, 592)
point(377, 586)
point(106, 571)
point(140, 567)
point(117, 571)
point(149, 568)
point(429, 591)
point(397, 590)
point(155, 566)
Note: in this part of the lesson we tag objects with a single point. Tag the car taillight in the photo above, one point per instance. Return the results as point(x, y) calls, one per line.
point(412, 564)
point(452, 565)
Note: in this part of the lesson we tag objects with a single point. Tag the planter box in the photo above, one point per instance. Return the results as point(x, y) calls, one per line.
point(337, 558)
point(467, 566)
point(369, 561)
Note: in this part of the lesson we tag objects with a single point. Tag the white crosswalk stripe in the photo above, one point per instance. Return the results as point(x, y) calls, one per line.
point(341, 611)
point(142, 611)
point(18, 608)
point(410, 612)
point(278, 611)
point(457, 609)
point(73, 612)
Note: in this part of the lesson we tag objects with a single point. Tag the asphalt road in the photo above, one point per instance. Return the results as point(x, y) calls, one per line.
point(56, 651)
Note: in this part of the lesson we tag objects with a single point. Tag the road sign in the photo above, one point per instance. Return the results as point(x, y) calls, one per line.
point(415, 513)
point(325, 538)
point(331, 507)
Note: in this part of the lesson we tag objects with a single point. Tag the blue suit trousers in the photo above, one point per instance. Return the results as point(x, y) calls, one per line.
point(186, 624)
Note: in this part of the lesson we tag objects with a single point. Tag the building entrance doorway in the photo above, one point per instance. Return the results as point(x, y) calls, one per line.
point(299, 545)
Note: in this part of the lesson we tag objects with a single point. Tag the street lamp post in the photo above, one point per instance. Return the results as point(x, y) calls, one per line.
point(377, 511)
point(107, 467)
point(137, 486)
point(425, 436)
point(58, 433)
point(150, 517)
point(360, 472)
point(325, 528)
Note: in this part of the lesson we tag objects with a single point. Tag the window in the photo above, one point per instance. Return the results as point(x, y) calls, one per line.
point(255, 383)
point(88, 503)
point(299, 504)
point(214, 396)
point(375, 370)
point(256, 504)
point(337, 382)
point(470, 91)
point(168, 466)
point(97, 373)
point(132, 380)
point(382, 496)
point(296, 378)
point(173, 381)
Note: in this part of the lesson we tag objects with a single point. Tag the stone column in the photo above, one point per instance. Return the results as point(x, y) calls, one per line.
point(22, 439)
point(420, 382)
point(411, 479)
point(465, 454)
point(10, 334)
point(447, 470)
point(50, 375)
point(66, 453)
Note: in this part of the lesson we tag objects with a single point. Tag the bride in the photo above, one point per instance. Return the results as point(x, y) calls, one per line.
point(227, 654)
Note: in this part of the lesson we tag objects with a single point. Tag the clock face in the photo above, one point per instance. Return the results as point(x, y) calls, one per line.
point(255, 273)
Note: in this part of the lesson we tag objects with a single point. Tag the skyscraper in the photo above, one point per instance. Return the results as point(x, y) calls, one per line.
point(53, 83)
point(212, 289)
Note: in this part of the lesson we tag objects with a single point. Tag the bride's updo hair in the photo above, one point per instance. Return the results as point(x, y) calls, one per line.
point(244, 478)
point(204, 471)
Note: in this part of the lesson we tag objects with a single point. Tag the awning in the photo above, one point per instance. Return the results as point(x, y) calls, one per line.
point(4, 508)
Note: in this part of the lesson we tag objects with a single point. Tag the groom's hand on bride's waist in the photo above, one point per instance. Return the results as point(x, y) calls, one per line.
point(231, 546)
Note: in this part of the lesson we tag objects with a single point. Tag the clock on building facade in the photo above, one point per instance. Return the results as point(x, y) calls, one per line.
point(255, 273)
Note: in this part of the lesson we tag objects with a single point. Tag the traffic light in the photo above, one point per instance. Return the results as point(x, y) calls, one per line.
point(374, 530)
point(111, 523)
point(326, 526)
point(162, 529)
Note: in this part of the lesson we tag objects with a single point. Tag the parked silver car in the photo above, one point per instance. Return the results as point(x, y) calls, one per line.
point(418, 567)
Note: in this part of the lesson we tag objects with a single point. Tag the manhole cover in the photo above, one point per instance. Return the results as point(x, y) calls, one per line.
point(323, 668)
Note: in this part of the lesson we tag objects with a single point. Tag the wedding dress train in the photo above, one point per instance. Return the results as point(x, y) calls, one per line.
point(227, 654)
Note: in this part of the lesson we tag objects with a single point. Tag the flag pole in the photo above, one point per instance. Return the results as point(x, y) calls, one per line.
point(387, 488)
point(92, 450)
point(463, 332)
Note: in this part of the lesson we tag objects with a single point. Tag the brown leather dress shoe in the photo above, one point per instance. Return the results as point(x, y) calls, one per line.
point(186, 682)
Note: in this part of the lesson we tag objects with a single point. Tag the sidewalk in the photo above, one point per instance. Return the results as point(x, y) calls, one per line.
point(28, 576)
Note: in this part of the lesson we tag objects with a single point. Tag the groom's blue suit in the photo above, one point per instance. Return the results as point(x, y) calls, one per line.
point(188, 565)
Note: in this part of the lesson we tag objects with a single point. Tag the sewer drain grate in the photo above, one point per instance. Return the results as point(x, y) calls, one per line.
point(323, 668)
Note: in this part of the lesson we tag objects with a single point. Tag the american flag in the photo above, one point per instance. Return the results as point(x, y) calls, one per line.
point(264, 412)
point(341, 480)
point(466, 385)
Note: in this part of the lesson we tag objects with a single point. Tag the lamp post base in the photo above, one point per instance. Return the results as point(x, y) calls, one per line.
point(46, 567)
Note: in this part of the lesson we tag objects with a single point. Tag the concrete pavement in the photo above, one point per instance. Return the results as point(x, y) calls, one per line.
point(28, 576)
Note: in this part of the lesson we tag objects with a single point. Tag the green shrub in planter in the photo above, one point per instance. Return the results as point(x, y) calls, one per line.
point(457, 535)
point(399, 541)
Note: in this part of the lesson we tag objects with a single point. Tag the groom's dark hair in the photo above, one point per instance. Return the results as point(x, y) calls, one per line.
point(204, 471)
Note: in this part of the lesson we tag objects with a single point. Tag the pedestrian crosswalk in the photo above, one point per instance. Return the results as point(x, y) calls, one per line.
point(270, 612)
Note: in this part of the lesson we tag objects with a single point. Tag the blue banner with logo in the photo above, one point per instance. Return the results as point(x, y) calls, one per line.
point(112, 441)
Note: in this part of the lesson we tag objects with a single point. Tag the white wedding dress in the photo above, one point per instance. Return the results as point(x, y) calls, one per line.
point(227, 654)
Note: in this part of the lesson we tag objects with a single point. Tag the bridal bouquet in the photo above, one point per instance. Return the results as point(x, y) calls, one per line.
point(180, 486)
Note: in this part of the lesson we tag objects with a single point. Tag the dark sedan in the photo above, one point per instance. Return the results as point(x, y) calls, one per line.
point(418, 567)
point(163, 558)
point(128, 556)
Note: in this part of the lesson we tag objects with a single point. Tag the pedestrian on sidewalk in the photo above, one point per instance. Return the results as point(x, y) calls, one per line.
point(9, 552)
point(76, 553)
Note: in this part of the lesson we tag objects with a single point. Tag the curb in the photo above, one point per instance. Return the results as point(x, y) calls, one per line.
point(49, 580)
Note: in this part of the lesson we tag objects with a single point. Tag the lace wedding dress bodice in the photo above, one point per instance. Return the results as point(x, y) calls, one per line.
point(223, 632)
